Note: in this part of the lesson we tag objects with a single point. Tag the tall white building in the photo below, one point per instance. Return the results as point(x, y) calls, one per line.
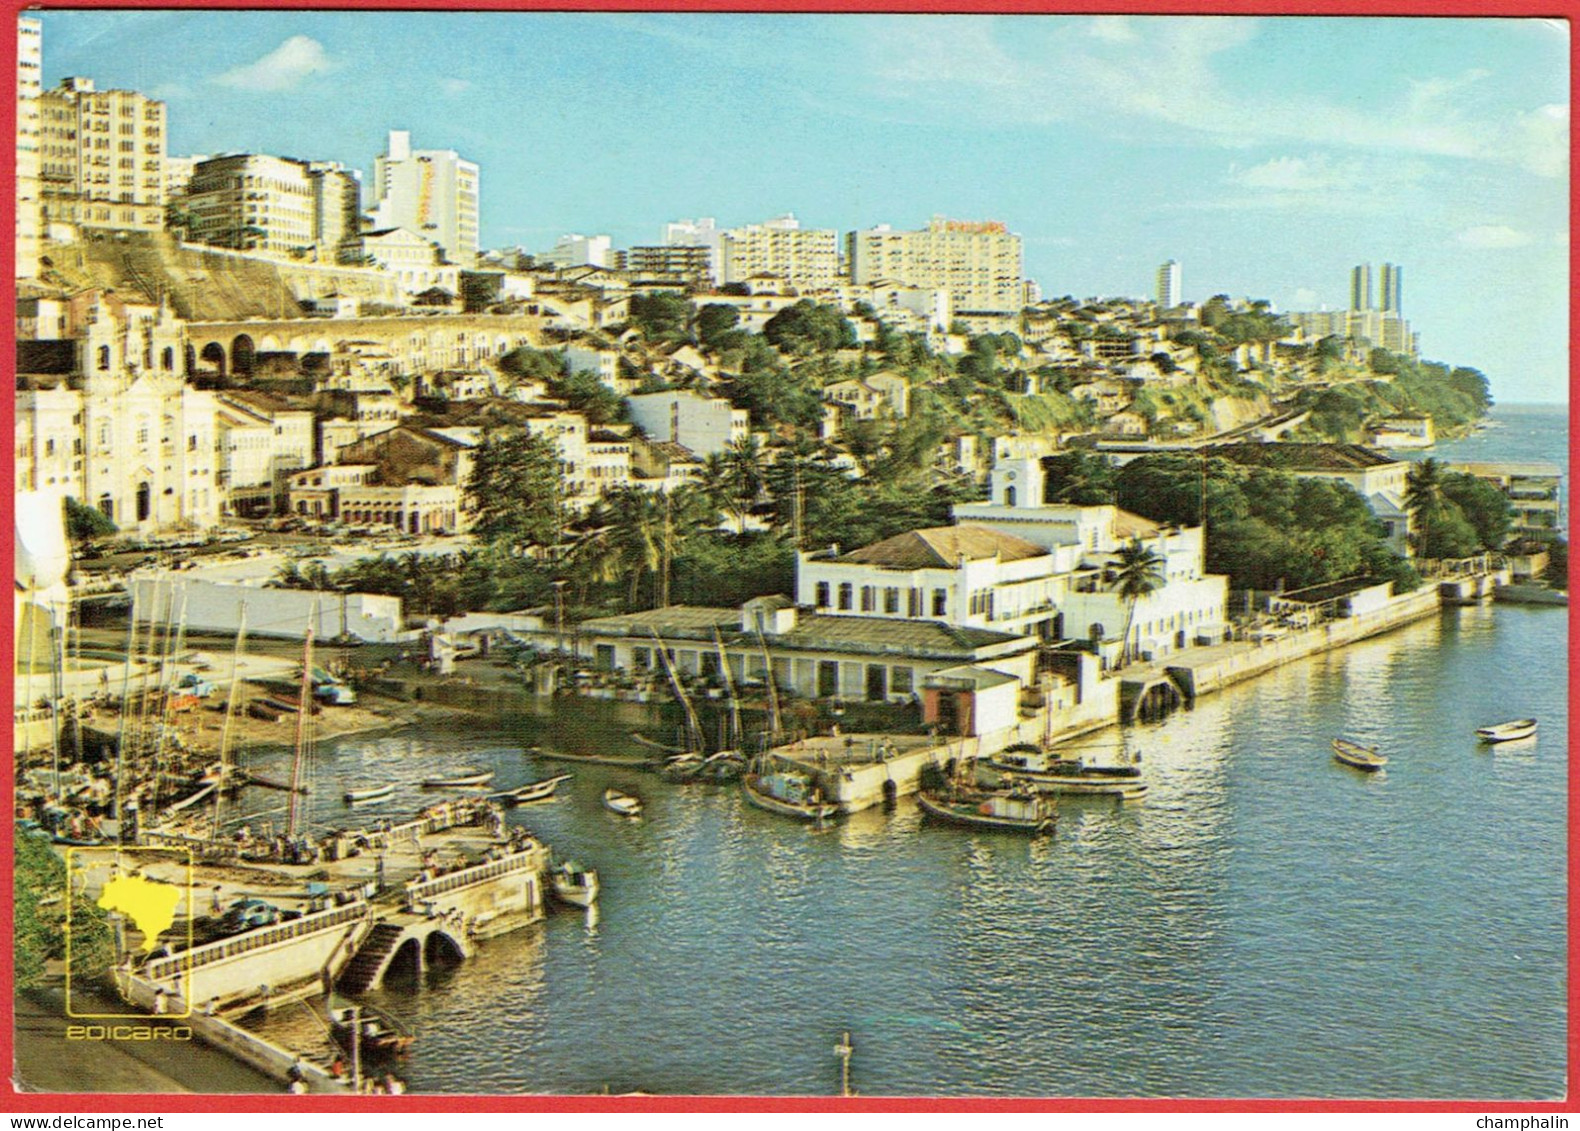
point(29, 86)
point(1361, 287)
point(101, 157)
point(432, 192)
point(1392, 288)
point(1169, 283)
point(806, 258)
point(576, 250)
point(977, 262)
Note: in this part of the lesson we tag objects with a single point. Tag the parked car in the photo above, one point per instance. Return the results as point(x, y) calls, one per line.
point(245, 914)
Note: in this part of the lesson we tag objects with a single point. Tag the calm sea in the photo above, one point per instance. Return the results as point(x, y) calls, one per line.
point(1265, 923)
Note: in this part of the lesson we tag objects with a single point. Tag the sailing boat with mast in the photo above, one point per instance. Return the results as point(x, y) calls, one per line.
point(685, 765)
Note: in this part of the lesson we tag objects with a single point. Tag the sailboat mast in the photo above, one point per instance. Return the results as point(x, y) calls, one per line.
point(734, 739)
point(774, 727)
point(693, 727)
point(226, 765)
point(304, 707)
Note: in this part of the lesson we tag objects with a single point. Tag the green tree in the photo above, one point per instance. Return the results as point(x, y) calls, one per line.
point(1138, 570)
point(1486, 508)
point(714, 320)
point(85, 523)
point(735, 478)
point(1423, 498)
point(516, 487)
point(662, 317)
point(809, 327)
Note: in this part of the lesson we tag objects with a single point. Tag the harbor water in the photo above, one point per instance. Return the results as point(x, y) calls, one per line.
point(1266, 922)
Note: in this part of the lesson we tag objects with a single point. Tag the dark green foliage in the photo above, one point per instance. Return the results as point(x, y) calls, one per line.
point(1483, 505)
point(533, 365)
point(1080, 478)
point(810, 327)
point(662, 317)
point(85, 523)
point(1264, 528)
point(714, 320)
point(583, 392)
point(721, 569)
point(39, 927)
point(515, 485)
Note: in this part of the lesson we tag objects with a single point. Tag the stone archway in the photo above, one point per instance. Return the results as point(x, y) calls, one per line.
point(213, 355)
point(243, 355)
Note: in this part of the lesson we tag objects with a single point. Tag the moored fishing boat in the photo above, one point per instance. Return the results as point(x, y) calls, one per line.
point(1358, 756)
point(532, 791)
point(574, 884)
point(371, 793)
point(1052, 774)
point(789, 795)
point(621, 802)
point(1507, 732)
point(462, 779)
point(1005, 810)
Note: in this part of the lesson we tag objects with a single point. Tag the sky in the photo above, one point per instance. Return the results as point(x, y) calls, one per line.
point(1267, 155)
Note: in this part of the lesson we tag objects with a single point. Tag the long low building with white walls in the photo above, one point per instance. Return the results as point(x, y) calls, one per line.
point(218, 607)
point(814, 655)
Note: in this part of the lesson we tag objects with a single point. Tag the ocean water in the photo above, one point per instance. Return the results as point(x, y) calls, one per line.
point(1265, 923)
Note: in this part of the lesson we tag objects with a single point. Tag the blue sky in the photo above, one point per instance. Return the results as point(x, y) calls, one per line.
point(1268, 155)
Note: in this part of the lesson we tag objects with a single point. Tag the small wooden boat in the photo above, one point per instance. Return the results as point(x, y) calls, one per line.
point(379, 1035)
point(1507, 732)
point(1019, 810)
point(532, 791)
point(600, 759)
point(461, 779)
point(625, 804)
point(574, 884)
point(1361, 757)
point(789, 795)
point(371, 793)
point(682, 768)
point(1052, 774)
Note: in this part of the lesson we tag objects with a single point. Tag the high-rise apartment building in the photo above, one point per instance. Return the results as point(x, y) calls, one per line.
point(1361, 287)
point(101, 157)
point(1392, 288)
point(692, 265)
point(29, 86)
point(430, 192)
point(252, 202)
point(337, 208)
point(1169, 276)
point(977, 262)
point(806, 258)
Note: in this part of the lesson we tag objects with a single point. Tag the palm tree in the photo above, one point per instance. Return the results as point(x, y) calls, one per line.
point(1138, 571)
point(1423, 494)
point(735, 478)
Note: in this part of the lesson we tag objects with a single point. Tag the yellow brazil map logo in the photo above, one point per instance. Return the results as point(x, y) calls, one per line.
point(144, 891)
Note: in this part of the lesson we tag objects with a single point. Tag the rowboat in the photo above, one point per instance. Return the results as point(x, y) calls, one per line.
point(1361, 757)
point(371, 793)
point(532, 791)
point(789, 795)
point(462, 779)
point(1507, 732)
point(625, 804)
point(1005, 810)
point(574, 884)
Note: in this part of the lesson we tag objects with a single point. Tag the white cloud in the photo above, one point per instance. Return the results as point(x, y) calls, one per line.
point(1306, 298)
point(1294, 174)
point(281, 69)
point(1114, 29)
point(454, 86)
point(1493, 237)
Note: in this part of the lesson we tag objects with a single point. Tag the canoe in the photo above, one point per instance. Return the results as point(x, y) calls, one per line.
point(371, 793)
point(1358, 756)
point(599, 759)
point(625, 804)
point(1001, 811)
point(1507, 732)
point(532, 791)
point(463, 779)
point(574, 884)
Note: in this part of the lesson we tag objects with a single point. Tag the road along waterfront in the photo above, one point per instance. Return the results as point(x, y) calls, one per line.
point(1265, 922)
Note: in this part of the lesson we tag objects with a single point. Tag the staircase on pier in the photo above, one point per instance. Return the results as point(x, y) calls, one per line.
point(372, 958)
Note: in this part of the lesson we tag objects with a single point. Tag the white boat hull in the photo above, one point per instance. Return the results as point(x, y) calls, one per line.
point(1507, 732)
